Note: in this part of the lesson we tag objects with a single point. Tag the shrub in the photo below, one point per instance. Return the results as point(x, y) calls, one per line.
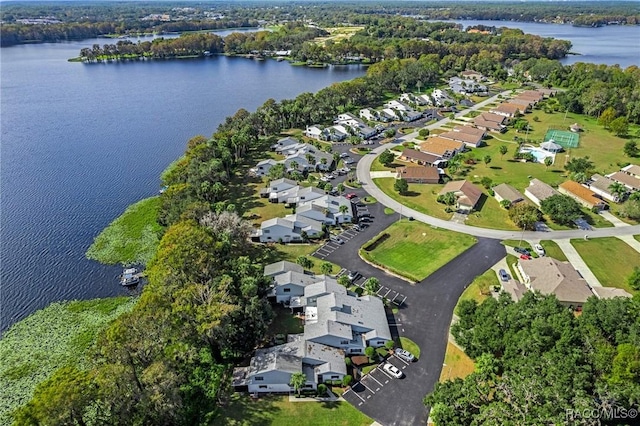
point(389, 344)
point(348, 362)
point(346, 380)
point(322, 389)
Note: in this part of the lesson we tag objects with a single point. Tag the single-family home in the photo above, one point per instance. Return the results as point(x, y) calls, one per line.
point(490, 122)
point(277, 268)
point(387, 114)
point(466, 86)
point(507, 110)
point(471, 130)
point(535, 95)
point(609, 292)
point(407, 98)
point(441, 147)
point(419, 157)
point(527, 104)
point(632, 169)
point(507, 192)
point(409, 116)
point(467, 194)
point(538, 191)
point(550, 276)
point(347, 322)
point(423, 100)
point(601, 185)
point(398, 106)
point(470, 139)
point(418, 174)
point(514, 288)
point(583, 195)
point(630, 181)
point(441, 98)
point(270, 369)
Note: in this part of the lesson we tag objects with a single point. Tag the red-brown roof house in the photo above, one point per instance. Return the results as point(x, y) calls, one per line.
point(419, 174)
point(467, 193)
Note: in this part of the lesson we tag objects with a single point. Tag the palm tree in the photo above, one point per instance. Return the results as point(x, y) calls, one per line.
point(293, 165)
point(326, 268)
point(371, 285)
point(548, 161)
point(503, 150)
point(343, 209)
point(340, 188)
point(618, 190)
point(298, 380)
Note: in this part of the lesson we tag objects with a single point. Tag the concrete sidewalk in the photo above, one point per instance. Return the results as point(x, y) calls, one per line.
point(611, 218)
point(577, 262)
point(629, 239)
point(383, 174)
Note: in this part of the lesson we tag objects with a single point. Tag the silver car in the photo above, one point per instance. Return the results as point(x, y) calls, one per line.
point(404, 354)
point(393, 370)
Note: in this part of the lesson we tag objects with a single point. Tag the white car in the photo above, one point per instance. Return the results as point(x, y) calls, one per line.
point(393, 370)
point(539, 250)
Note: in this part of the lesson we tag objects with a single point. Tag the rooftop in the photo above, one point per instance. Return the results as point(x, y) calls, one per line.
point(440, 146)
point(580, 191)
point(508, 192)
point(418, 172)
point(550, 276)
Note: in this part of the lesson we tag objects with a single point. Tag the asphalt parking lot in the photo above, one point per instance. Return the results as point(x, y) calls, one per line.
point(383, 292)
point(377, 381)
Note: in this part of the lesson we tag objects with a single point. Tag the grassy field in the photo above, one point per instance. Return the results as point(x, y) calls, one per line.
point(610, 259)
point(511, 259)
point(421, 197)
point(480, 288)
point(278, 411)
point(553, 250)
point(415, 250)
point(133, 237)
point(490, 214)
point(456, 364)
point(54, 337)
point(291, 252)
point(337, 34)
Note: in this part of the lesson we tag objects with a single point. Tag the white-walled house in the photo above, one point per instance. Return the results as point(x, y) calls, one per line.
point(291, 284)
point(283, 143)
point(331, 204)
point(314, 132)
point(263, 167)
point(288, 229)
point(369, 114)
point(398, 106)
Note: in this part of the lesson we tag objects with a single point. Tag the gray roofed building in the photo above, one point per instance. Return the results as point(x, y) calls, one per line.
point(284, 143)
point(538, 191)
point(515, 289)
point(507, 192)
point(281, 267)
point(550, 276)
point(305, 194)
point(609, 292)
point(600, 185)
point(628, 180)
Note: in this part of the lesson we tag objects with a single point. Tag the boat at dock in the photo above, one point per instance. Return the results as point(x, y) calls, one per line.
point(130, 277)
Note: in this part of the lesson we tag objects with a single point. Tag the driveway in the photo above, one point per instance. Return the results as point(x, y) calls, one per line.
point(424, 318)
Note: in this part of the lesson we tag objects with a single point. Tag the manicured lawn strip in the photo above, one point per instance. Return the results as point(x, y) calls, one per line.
point(278, 411)
point(387, 210)
point(610, 259)
point(553, 250)
point(133, 237)
point(415, 250)
point(421, 197)
point(377, 166)
point(456, 364)
point(637, 237)
point(511, 260)
point(54, 337)
point(291, 252)
point(411, 346)
point(490, 215)
point(480, 288)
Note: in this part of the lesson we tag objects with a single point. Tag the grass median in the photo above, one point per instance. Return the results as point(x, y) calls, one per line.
point(414, 249)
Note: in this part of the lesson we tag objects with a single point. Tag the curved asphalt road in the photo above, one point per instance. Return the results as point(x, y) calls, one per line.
point(364, 176)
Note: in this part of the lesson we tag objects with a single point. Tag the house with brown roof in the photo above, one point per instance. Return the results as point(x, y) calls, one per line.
point(490, 122)
point(445, 148)
point(508, 110)
point(423, 158)
point(628, 180)
point(469, 139)
point(550, 276)
point(472, 75)
point(583, 195)
point(526, 103)
point(538, 191)
point(507, 192)
point(419, 174)
point(471, 130)
point(632, 170)
point(535, 95)
point(467, 194)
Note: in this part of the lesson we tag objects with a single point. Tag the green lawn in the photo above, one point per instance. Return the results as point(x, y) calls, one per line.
point(409, 345)
point(291, 252)
point(133, 237)
point(480, 288)
point(421, 197)
point(553, 250)
point(415, 250)
point(610, 259)
point(388, 210)
point(490, 214)
point(511, 259)
point(284, 322)
point(637, 237)
point(278, 411)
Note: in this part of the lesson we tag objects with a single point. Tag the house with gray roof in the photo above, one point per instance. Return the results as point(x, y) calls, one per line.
point(291, 284)
point(288, 229)
point(271, 369)
point(305, 194)
point(326, 285)
point(330, 207)
point(283, 143)
point(538, 191)
point(507, 192)
point(550, 276)
point(263, 167)
point(277, 268)
point(600, 185)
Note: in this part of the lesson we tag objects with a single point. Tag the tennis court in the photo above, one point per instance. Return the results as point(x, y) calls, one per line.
point(562, 137)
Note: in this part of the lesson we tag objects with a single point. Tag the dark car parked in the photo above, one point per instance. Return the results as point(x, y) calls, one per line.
point(522, 250)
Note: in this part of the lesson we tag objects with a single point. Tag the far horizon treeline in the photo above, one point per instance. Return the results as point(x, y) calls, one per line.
point(90, 20)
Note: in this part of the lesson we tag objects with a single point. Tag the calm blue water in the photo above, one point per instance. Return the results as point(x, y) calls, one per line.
point(82, 142)
point(614, 44)
point(79, 143)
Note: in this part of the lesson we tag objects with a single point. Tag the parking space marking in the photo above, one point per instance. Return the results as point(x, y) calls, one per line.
point(400, 359)
point(368, 388)
point(370, 375)
point(405, 298)
point(356, 394)
point(385, 379)
point(386, 374)
point(388, 291)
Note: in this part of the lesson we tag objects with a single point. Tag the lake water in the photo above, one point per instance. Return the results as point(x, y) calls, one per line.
point(81, 142)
